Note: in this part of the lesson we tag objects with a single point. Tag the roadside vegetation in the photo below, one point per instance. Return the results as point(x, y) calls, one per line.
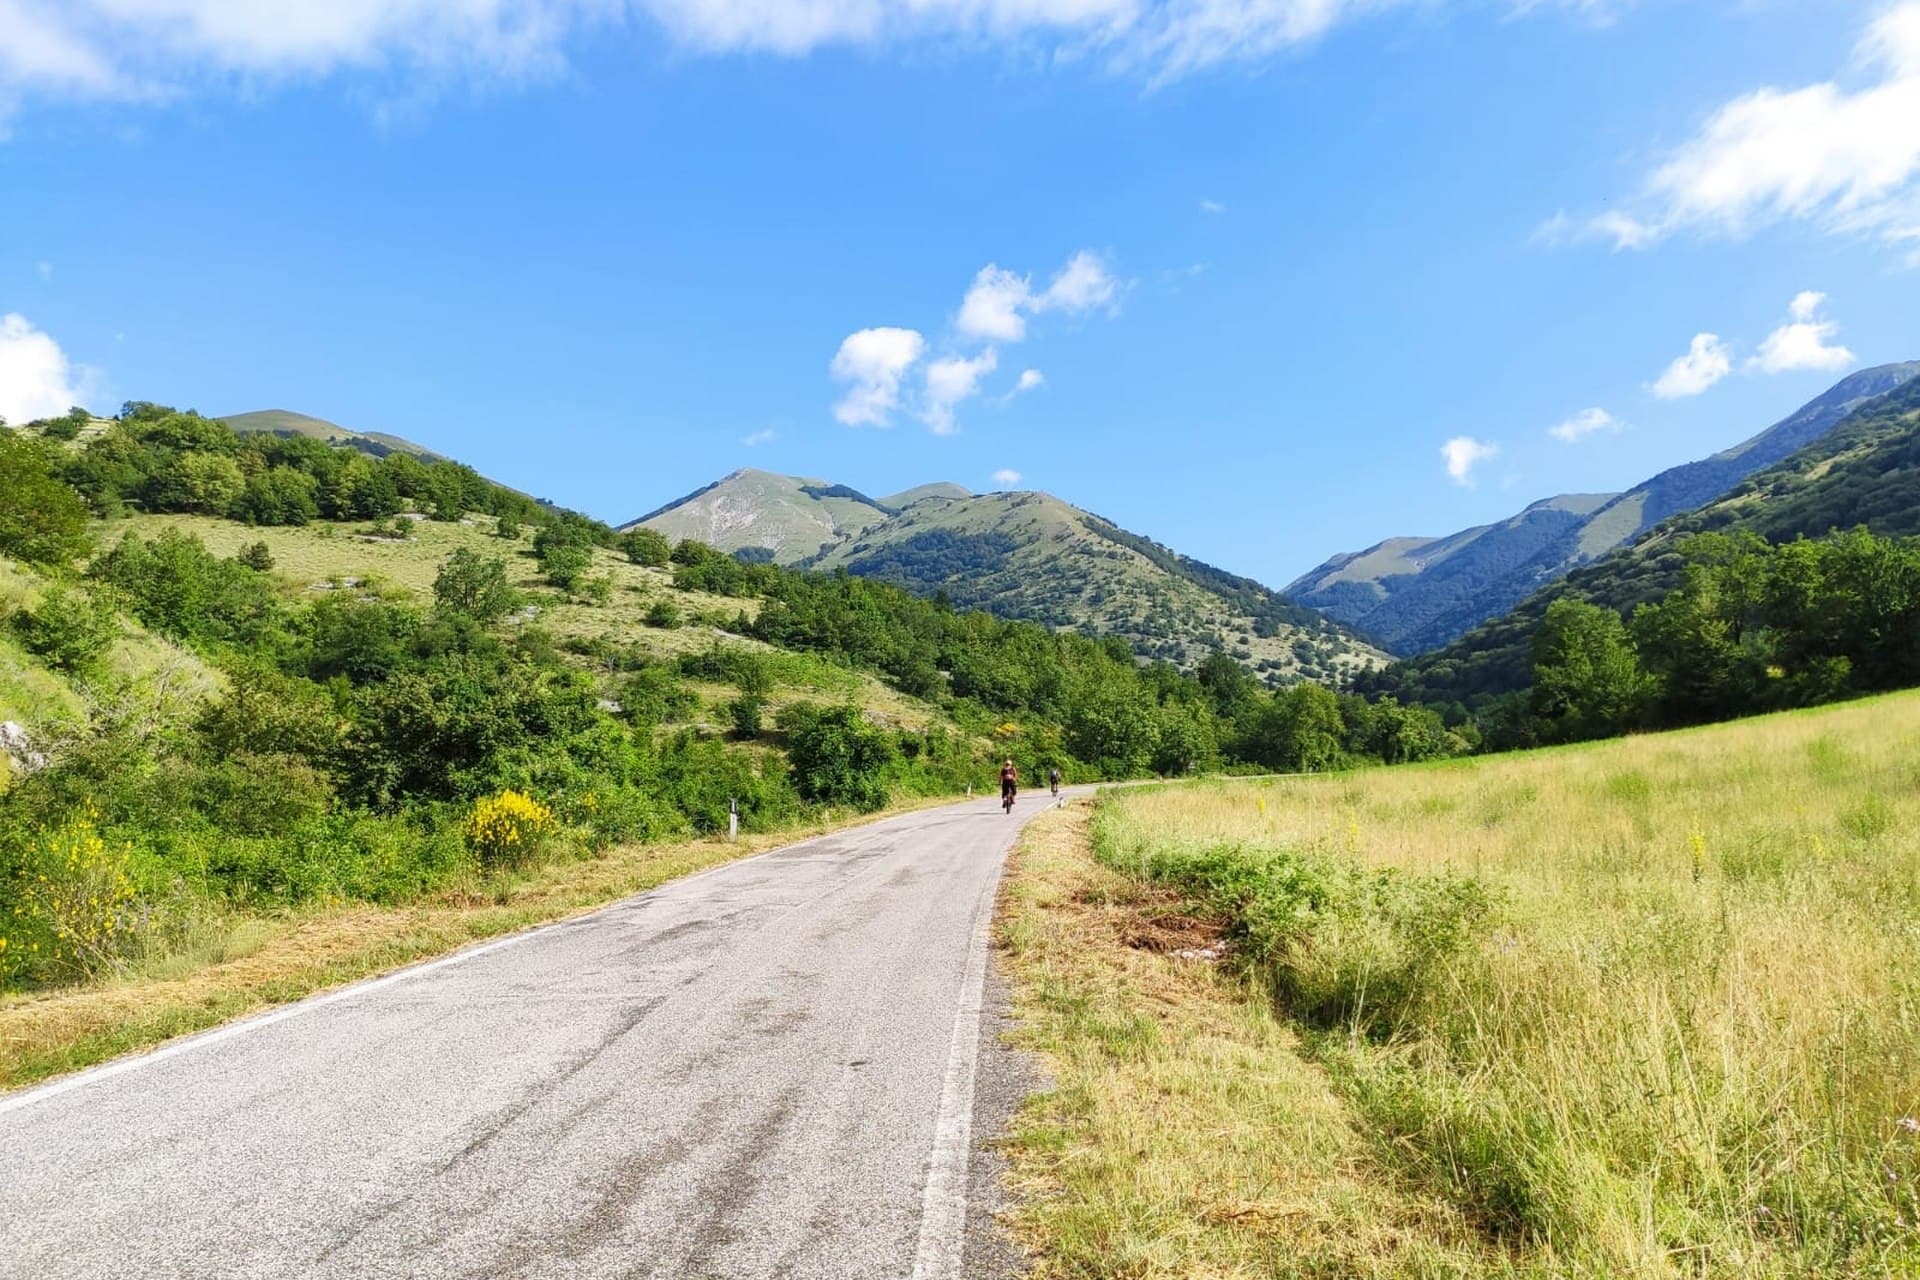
point(1647, 1008)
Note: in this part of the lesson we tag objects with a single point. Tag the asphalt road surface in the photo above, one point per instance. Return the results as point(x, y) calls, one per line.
point(767, 1069)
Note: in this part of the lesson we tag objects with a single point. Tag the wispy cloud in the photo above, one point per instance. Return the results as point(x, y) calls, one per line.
point(36, 378)
point(1844, 159)
point(950, 381)
point(1708, 360)
point(1212, 206)
point(1006, 477)
point(43, 269)
point(1462, 454)
point(1584, 424)
point(158, 50)
point(754, 439)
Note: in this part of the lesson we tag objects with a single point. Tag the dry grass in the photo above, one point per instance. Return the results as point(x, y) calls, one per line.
point(1187, 1135)
point(1687, 1042)
point(249, 963)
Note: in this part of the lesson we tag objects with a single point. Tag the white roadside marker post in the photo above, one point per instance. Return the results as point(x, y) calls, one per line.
point(733, 820)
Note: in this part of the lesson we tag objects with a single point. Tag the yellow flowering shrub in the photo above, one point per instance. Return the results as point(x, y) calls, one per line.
point(508, 829)
point(72, 909)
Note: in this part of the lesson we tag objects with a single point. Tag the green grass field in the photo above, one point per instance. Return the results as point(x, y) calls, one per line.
point(1647, 1008)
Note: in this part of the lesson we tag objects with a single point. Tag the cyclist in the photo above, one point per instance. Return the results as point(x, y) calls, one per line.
point(1053, 779)
point(1009, 782)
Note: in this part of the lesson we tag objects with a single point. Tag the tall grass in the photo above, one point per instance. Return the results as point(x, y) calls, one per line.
point(1646, 1008)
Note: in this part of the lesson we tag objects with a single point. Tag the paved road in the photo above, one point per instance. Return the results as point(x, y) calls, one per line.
point(763, 1070)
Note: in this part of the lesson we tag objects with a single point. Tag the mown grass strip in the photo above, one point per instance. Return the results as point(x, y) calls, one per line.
point(1185, 1134)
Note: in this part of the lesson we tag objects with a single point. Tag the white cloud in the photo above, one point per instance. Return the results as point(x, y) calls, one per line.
point(874, 361)
point(1006, 477)
point(44, 270)
point(1212, 206)
point(1802, 343)
point(1463, 454)
point(36, 379)
point(1843, 159)
point(1030, 380)
point(1585, 423)
point(999, 301)
point(1707, 361)
point(993, 307)
point(1080, 286)
point(950, 381)
point(766, 435)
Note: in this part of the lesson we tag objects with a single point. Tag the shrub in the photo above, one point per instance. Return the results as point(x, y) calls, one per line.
point(508, 829)
point(70, 908)
point(257, 557)
point(663, 613)
point(745, 714)
point(71, 629)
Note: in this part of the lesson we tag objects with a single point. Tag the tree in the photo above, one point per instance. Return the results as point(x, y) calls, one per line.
point(1587, 679)
point(646, 547)
point(42, 521)
point(1298, 730)
point(837, 757)
point(202, 482)
point(257, 556)
point(475, 586)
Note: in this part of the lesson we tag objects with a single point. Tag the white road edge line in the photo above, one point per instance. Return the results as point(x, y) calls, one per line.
point(943, 1207)
point(259, 1021)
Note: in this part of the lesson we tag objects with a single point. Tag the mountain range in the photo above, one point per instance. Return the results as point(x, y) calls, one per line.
point(1022, 555)
point(1417, 594)
point(1863, 471)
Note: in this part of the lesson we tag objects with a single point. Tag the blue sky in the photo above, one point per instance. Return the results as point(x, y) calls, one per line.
point(1263, 279)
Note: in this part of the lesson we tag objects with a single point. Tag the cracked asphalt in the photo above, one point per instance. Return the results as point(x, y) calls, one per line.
point(751, 1072)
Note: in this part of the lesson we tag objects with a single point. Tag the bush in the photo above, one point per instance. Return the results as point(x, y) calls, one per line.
point(69, 908)
point(257, 556)
point(745, 714)
point(663, 613)
point(508, 829)
point(72, 630)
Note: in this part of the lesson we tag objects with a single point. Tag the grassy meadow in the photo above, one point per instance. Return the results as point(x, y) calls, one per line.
point(1647, 1008)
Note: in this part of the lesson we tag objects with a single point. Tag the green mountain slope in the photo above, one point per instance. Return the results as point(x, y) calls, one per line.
point(1417, 594)
point(1864, 471)
point(285, 422)
point(1020, 555)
